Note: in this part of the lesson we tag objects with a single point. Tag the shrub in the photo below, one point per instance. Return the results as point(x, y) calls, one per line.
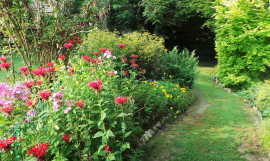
point(149, 48)
point(263, 99)
point(242, 35)
point(83, 110)
point(181, 66)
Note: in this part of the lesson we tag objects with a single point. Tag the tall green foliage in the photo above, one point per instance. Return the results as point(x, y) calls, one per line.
point(242, 41)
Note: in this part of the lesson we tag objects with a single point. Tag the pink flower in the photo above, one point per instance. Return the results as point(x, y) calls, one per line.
point(5, 65)
point(45, 95)
point(121, 46)
point(79, 41)
point(3, 59)
point(76, 37)
point(96, 53)
point(50, 64)
point(68, 45)
point(51, 69)
point(66, 138)
point(71, 41)
point(94, 61)
point(107, 149)
point(96, 85)
point(134, 56)
point(29, 103)
point(39, 151)
point(71, 71)
point(80, 104)
point(62, 57)
point(41, 71)
point(143, 71)
point(67, 110)
point(120, 100)
point(31, 113)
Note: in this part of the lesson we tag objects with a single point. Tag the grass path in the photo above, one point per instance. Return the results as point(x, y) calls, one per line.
point(219, 126)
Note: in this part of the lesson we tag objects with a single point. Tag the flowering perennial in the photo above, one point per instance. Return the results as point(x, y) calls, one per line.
point(80, 104)
point(39, 151)
point(6, 143)
point(66, 138)
point(45, 95)
point(96, 85)
point(120, 100)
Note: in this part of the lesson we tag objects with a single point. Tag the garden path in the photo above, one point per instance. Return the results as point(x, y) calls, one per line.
point(218, 126)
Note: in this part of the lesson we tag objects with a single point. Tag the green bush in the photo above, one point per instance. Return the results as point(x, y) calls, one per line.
point(242, 42)
point(181, 66)
point(149, 48)
point(263, 99)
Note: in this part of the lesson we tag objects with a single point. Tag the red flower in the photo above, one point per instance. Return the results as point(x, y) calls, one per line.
point(96, 53)
point(96, 85)
point(7, 110)
point(68, 45)
point(29, 103)
point(87, 58)
point(24, 70)
point(71, 41)
point(5, 65)
point(124, 60)
point(39, 151)
point(125, 72)
point(62, 57)
point(40, 71)
point(79, 41)
point(50, 64)
point(71, 71)
point(103, 50)
point(6, 143)
point(3, 59)
point(29, 84)
point(143, 70)
point(45, 95)
point(134, 56)
point(80, 104)
point(51, 69)
point(121, 46)
point(39, 82)
point(134, 65)
point(107, 149)
point(94, 61)
point(76, 37)
point(66, 138)
point(122, 55)
point(120, 100)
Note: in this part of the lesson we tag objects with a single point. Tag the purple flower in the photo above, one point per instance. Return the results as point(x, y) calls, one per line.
point(56, 104)
point(57, 95)
point(69, 102)
point(5, 103)
point(4, 89)
point(31, 113)
point(20, 91)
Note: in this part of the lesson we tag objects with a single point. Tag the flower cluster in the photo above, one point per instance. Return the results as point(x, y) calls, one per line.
point(39, 151)
point(5, 64)
point(45, 94)
point(80, 104)
point(24, 70)
point(57, 100)
point(120, 100)
point(96, 85)
point(6, 143)
point(66, 138)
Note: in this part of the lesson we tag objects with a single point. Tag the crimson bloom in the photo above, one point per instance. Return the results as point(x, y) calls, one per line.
point(96, 85)
point(66, 138)
point(5, 65)
point(71, 41)
point(125, 72)
point(29, 84)
point(39, 151)
point(6, 143)
point(51, 69)
point(68, 45)
point(45, 95)
point(134, 65)
point(24, 70)
point(76, 37)
point(62, 57)
point(41, 71)
point(94, 61)
point(71, 71)
point(79, 41)
point(3, 59)
point(80, 104)
point(87, 58)
point(143, 70)
point(7, 110)
point(124, 60)
point(29, 103)
point(107, 149)
point(120, 100)
point(96, 53)
point(121, 46)
point(39, 82)
point(50, 64)
point(103, 50)
point(134, 56)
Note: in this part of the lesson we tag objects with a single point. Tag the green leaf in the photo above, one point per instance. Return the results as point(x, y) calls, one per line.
point(103, 115)
point(127, 134)
point(98, 134)
point(109, 134)
point(125, 146)
point(100, 147)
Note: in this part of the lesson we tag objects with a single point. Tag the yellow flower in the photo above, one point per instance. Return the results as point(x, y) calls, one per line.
point(178, 85)
point(177, 112)
point(161, 86)
point(167, 95)
point(164, 73)
point(174, 88)
point(170, 76)
point(175, 117)
point(155, 89)
point(163, 90)
point(170, 95)
point(171, 108)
